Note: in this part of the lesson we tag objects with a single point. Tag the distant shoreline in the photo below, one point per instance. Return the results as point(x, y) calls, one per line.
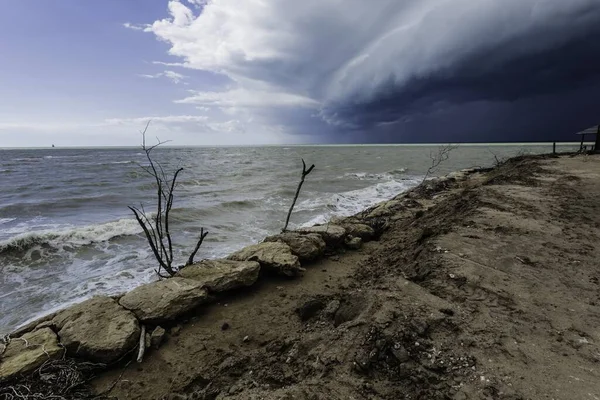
point(59, 147)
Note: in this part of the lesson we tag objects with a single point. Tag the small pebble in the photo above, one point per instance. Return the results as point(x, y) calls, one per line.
point(175, 330)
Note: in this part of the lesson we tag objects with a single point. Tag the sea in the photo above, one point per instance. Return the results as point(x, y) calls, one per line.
point(66, 232)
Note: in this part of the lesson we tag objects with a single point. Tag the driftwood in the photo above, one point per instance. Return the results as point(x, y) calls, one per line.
point(305, 172)
point(142, 348)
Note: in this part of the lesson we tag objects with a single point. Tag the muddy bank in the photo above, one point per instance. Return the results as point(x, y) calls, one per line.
point(480, 285)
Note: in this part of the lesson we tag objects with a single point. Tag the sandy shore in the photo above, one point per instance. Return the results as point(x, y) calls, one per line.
point(486, 288)
point(482, 287)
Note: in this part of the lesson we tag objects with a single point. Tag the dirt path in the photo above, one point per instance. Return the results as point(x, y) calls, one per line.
point(487, 288)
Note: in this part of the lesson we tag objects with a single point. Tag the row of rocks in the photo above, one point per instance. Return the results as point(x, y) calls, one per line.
point(104, 329)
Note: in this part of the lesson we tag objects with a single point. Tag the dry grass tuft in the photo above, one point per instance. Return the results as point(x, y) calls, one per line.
point(64, 379)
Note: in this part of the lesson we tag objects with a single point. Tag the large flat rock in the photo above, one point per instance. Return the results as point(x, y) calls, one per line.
point(165, 300)
point(276, 257)
point(97, 329)
point(332, 234)
point(33, 325)
point(222, 275)
point(28, 352)
point(362, 231)
point(307, 247)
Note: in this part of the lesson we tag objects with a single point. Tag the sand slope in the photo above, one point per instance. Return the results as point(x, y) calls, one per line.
point(485, 288)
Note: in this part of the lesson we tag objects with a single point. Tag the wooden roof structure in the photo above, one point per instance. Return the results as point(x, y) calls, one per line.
point(589, 131)
point(594, 130)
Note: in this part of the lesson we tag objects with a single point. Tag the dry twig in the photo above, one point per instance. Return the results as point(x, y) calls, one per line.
point(305, 172)
point(438, 158)
point(142, 347)
point(63, 379)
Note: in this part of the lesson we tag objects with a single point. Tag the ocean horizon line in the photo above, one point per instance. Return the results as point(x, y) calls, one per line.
point(475, 144)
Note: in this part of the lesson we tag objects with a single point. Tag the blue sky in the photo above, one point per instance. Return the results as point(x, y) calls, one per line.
point(76, 72)
point(70, 68)
point(69, 58)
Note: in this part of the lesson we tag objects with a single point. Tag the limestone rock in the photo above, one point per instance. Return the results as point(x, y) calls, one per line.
point(97, 329)
point(353, 243)
point(164, 300)
point(333, 235)
point(157, 337)
point(386, 209)
point(307, 247)
point(458, 175)
point(331, 308)
point(29, 352)
point(379, 211)
point(363, 231)
point(274, 256)
point(175, 331)
point(32, 325)
point(222, 275)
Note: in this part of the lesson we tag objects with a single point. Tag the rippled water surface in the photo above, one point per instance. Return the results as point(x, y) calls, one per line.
point(66, 232)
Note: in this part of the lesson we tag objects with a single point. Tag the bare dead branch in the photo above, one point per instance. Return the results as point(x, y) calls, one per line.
point(156, 228)
point(497, 161)
point(305, 173)
point(168, 210)
point(442, 155)
point(190, 260)
point(149, 237)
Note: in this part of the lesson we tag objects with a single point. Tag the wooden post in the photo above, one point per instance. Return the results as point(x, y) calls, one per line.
point(554, 148)
point(582, 139)
point(597, 145)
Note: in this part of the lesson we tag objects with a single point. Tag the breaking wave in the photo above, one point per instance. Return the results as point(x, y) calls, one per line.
point(366, 176)
point(351, 202)
point(70, 237)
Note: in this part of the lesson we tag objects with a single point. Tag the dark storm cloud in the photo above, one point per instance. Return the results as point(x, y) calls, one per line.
point(389, 70)
point(562, 81)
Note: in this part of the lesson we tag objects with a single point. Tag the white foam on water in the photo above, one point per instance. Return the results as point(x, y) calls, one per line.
point(72, 236)
point(92, 264)
point(352, 202)
point(366, 176)
point(113, 269)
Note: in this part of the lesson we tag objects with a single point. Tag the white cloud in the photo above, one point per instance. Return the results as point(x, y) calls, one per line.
point(168, 64)
point(201, 127)
point(326, 52)
point(37, 126)
point(135, 27)
point(231, 126)
point(141, 121)
point(244, 98)
point(198, 3)
point(179, 129)
point(173, 76)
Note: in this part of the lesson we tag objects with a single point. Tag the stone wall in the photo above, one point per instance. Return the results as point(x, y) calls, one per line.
point(105, 329)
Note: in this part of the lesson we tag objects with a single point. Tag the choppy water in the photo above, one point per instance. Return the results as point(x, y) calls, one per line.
point(66, 232)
